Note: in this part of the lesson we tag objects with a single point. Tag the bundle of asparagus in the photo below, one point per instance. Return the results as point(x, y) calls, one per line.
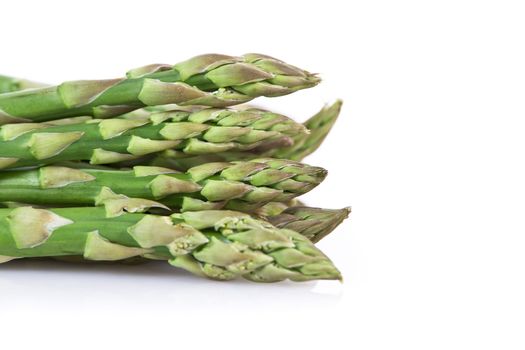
point(158, 165)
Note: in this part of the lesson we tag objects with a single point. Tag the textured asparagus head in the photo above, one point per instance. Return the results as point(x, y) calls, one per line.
point(313, 223)
point(305, 144)
point(249, 185)
point(287, 254)
point(250, 75)
point(296, 147)
point(217, 244)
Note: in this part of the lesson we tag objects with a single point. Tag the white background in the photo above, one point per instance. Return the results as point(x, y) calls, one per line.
point(429, 151)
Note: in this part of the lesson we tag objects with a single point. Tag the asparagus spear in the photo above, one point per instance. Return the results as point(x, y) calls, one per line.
point(216, 244)
point(297, 147)
point(190, 132)
point(10, 84)
point(305, 144)
point(236, 185)
point(209, 80)
point(313, 223)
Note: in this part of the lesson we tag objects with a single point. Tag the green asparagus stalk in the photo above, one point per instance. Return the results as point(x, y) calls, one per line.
point(313, 223)
point(243, 186)
point(10, 84)
point(209, 80)
point(216, 244)
point(190, 132)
